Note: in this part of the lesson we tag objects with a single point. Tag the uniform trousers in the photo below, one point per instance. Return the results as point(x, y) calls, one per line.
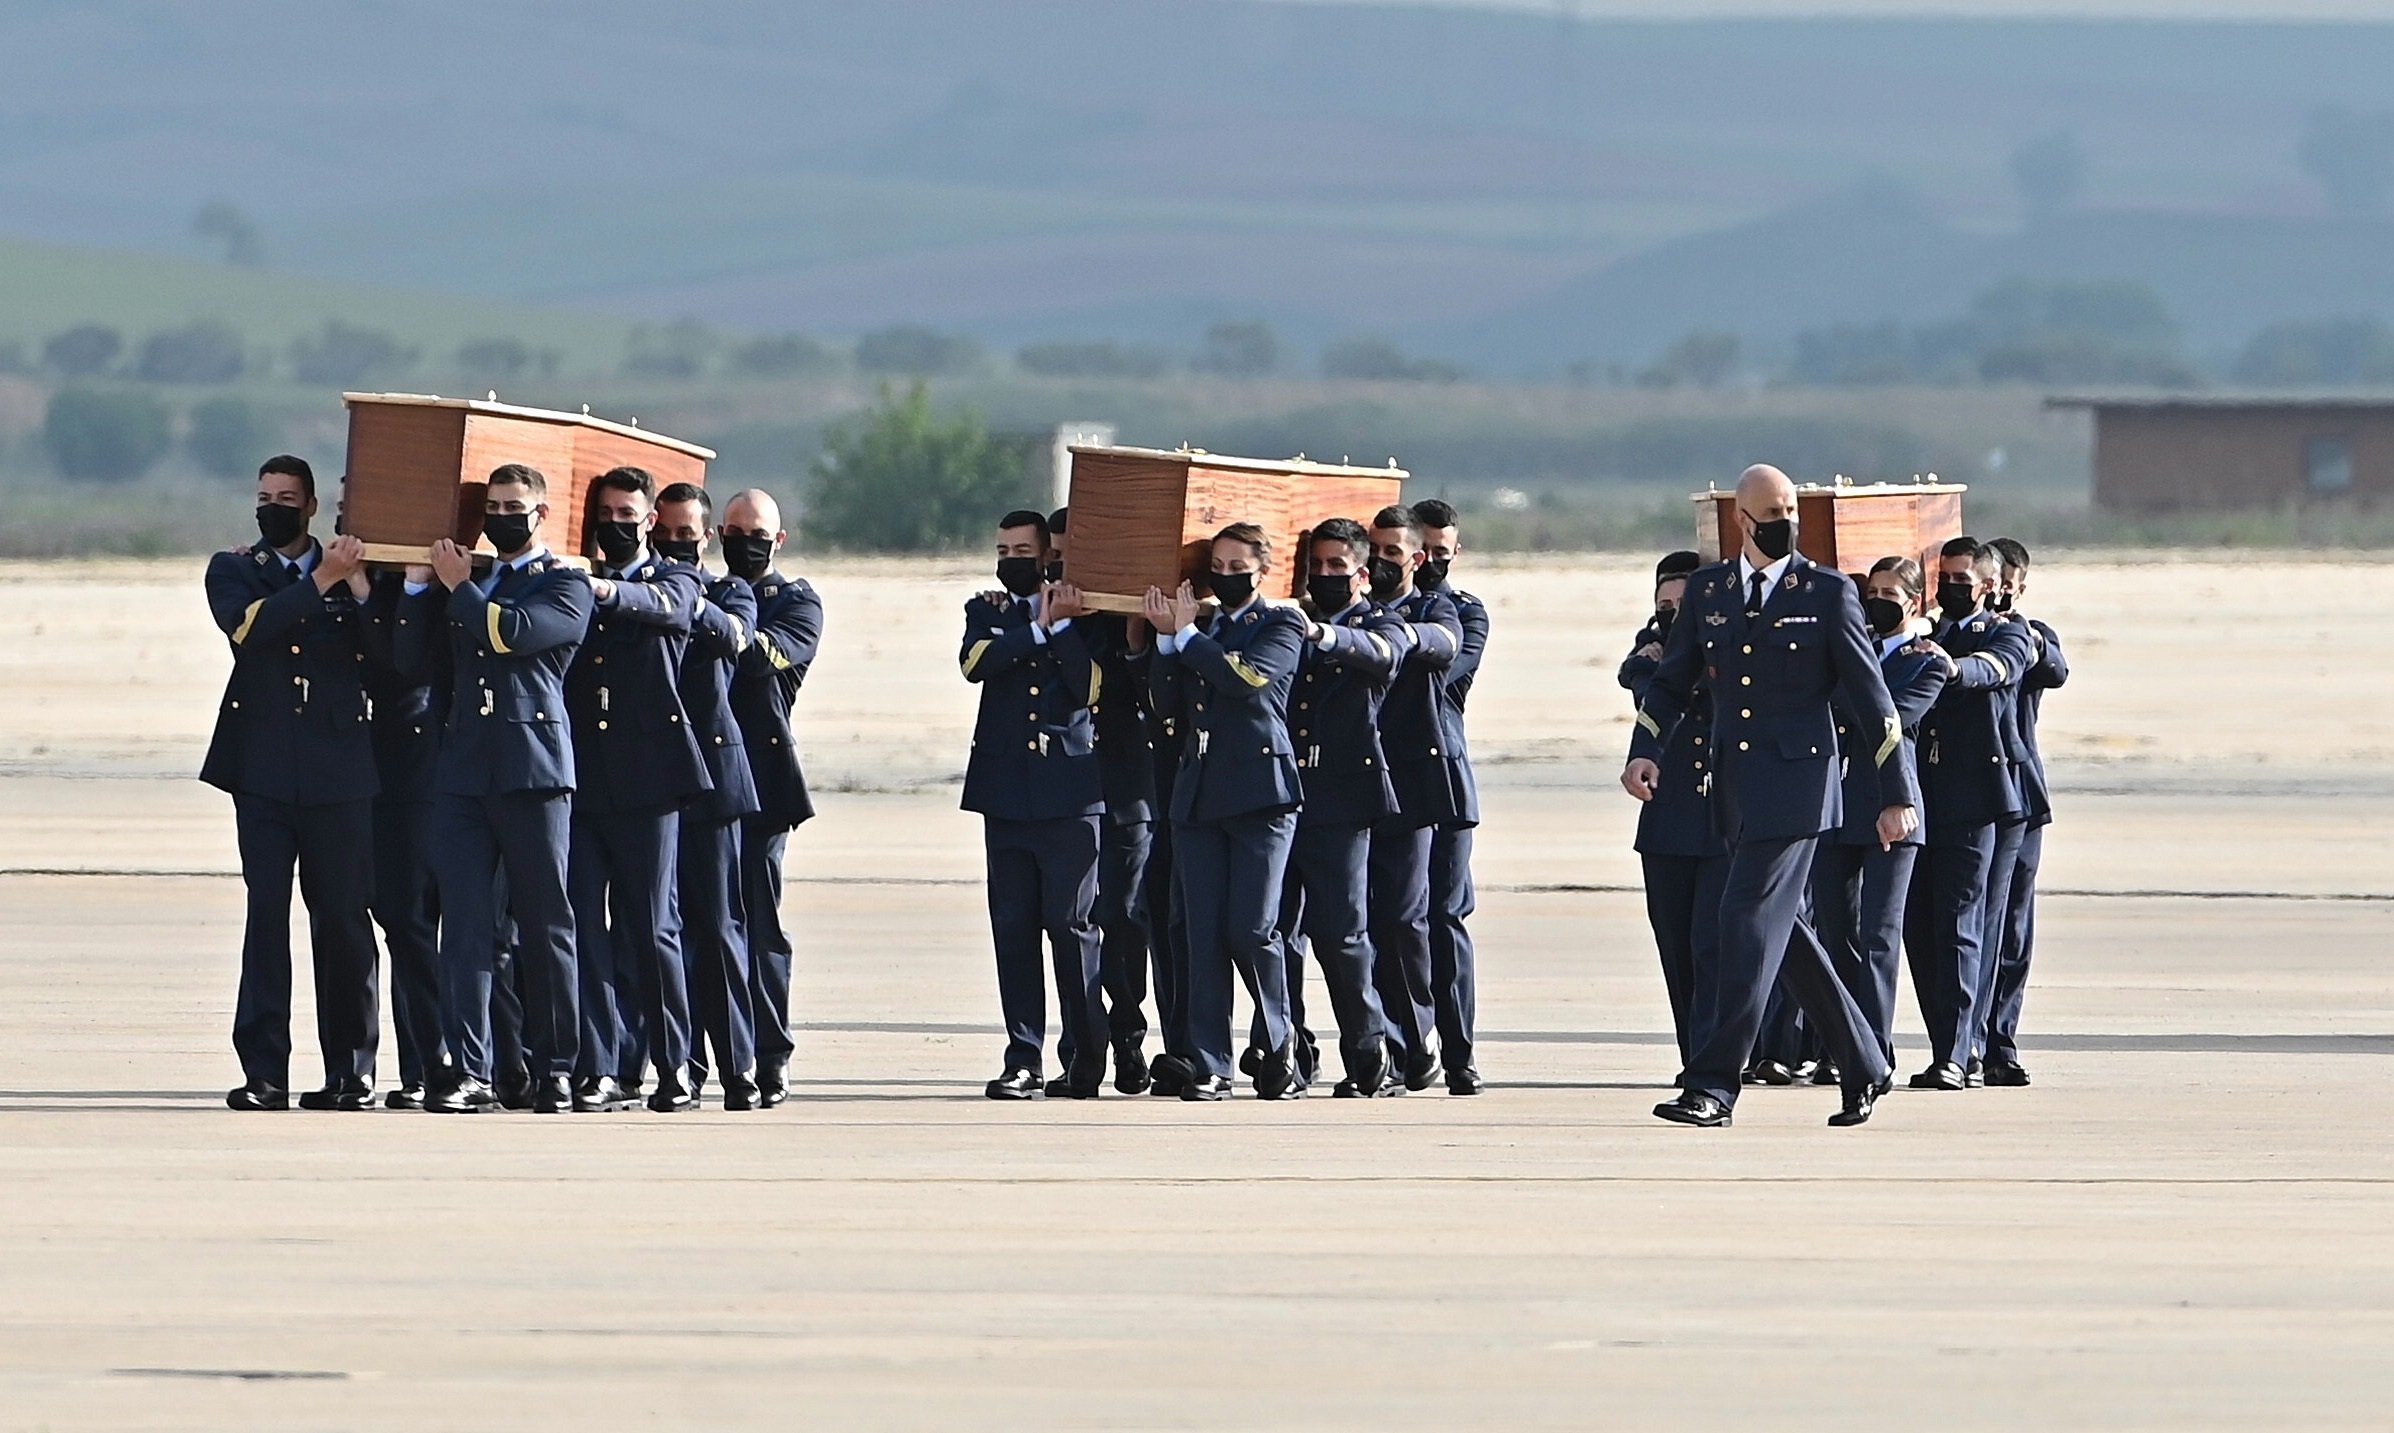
point(1043, 883)
point(331, 847)
point(1230, 875)
point(525, 835)
point(1454, 962)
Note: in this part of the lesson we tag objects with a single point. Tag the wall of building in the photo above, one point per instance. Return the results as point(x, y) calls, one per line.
point(2172, 459)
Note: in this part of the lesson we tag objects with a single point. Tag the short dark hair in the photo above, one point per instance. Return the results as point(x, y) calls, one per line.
point(519, 475)
point(1056, 521)
point(1341, 529)
point(291, 466)
point(626, 480)
point(2015, 552)
point(1964, 546)
point(1398, 515)
point(1906, 572)
point(1676, 564)
point(1434, 512)
point(1024, 517)
point(687, 493)
point(1251, 535)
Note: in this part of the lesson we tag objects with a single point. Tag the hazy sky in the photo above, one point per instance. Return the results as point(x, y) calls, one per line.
point(2382, 10)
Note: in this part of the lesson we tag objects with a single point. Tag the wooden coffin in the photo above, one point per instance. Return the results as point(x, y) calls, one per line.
point(418, 465)
point(1145, 518)
point(1848, 526)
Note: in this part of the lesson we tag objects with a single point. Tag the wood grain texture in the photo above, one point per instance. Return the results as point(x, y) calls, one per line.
point(1143, 518)
point(1847, 528)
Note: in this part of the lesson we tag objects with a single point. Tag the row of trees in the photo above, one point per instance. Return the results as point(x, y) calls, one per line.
point(106, 435)
point(212, 351)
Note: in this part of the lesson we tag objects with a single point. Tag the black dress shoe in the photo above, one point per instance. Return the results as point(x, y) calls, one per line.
point(1974, 1074)
point(599, 1095)
point(1015, 1085)
point(1857, 1108)
point(347, 1093)
point(1168, 1075)
point(553, 1095)
point(467, 1096)
point(1886, 1083)
point(1421, 1069)
point(672, 1097)
point(1465, 1081)
point(514, 1091)
point(741, 1093)
point(1251, 1060)
point(257, 1095)
point(1693, 1107)
point(1771, 1072)
point(773, 1081)
point(1206, 1088)
point(1944, 1075)
point(1276, 1074)
point(1824, 1072)
point(1130, 1067)
point(406, 1097)
point(2004, 1074)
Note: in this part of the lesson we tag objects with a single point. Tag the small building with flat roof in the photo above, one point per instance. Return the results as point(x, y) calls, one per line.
point(2198, 452)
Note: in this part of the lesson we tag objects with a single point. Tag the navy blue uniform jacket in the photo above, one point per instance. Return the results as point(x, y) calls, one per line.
point(1774, 730)
point(507, 655)
point(1678, 821)
point(1225, 694)
point(1913, 681)
point(1335, 723)
point(632, 736)
point(404, 710)
point(1125, 745)
point(1970, 757)
point(787, 632)
point(1034, 744)
point(1421, 728)
point(719, 635)
point(292, 725)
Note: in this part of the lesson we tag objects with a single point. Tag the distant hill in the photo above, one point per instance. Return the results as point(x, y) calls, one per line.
point(1133, 168)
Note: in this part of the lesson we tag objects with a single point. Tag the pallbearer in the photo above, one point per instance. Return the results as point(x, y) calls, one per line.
point(714, 943)
point(1860, 886)
point(1225, 684)
point(1352, 649)
point(1422, 735)
point(405, 712)
point(2012, 939)
point(504, 784)
point(1126, 838)
point(789, 625)
point(640, 766)
point(1680, 851)
point(1454, 963)
point(1033, 778)
point(1778, 640)
point(1970, 780)
point(292, 749)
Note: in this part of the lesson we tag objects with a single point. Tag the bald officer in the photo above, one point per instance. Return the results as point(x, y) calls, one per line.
point(1777, 640)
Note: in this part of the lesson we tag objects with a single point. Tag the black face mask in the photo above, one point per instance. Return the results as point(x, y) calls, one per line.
point(1232, 589)
point(1431, 575)
point(1663, 618)
point(748, 555)
point(1330, 595)
point(1018, 575)
point(2000, 602)
point(509, 532)
point(1885, 615)
point(617, 541)
point(1776, 538)
point(1955, 599)
point(680, 550)
point(1053, 572)
point(1387, 577)
point(280, 526)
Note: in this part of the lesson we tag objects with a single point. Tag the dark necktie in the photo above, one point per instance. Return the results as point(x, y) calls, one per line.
point(1754, 598)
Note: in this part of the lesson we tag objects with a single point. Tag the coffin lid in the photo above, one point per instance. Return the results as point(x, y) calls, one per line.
point(543, 415)
point(1298, 464)
point(1930, 484)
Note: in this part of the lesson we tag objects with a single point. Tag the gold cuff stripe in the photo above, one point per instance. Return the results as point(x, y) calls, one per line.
point(490, 611)
point(772, 653)
point(1246, 673)
point(972, 658)
point(1888, 743)
point(1097, 682)
point(739, 633)
point(1653, 728)
point(2002, 673)
point(248, 616)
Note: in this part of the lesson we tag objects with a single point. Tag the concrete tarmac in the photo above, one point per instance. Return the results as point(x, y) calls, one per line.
point(2187, 1222)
